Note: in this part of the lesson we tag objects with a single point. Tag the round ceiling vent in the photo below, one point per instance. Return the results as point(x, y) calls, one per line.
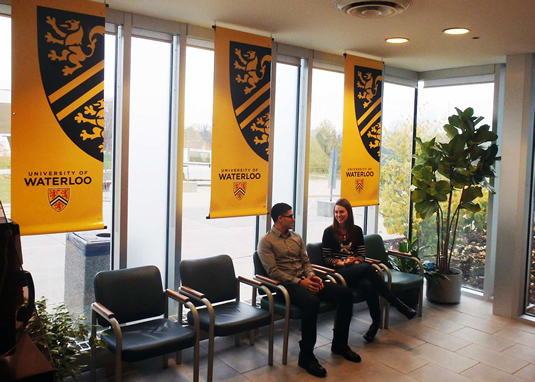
point(372, 9)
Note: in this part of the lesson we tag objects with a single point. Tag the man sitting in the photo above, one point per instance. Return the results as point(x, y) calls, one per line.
point(284, 258)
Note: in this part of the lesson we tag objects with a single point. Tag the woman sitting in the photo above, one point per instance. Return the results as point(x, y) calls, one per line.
point(343, 249)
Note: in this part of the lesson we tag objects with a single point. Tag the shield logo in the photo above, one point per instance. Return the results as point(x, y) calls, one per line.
point(250, 81)
point(367, 97)
point(359, 185)
point(71, 60)
point(240, 189)
point(58, 198)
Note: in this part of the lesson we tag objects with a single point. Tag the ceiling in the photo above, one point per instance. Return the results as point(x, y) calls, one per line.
point(498, 27)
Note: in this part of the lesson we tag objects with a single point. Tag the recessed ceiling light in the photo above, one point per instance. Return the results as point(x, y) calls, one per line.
point(456, 30)
point(397, 40)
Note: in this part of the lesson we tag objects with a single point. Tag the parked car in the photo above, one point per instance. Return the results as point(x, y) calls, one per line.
point(197, 164)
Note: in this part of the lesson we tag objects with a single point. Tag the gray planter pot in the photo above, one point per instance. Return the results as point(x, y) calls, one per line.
point(444, 290)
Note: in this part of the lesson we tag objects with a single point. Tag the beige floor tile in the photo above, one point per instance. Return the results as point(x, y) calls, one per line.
point(398, 359)
point(375, 372)
point(523, 325)
point(435, 373)
point(474, 322)
point(447, 359)
point(443, 325)
point(518, 336)
point(474, 306)
point(276, 373)
point(522, 352)
point(396, 338)
point(486, 373)
point(435, 337)
point(527, 373)
point(484, 339)
point(493, 358)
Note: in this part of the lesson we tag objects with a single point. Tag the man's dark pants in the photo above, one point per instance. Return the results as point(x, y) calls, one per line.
point(309, 304)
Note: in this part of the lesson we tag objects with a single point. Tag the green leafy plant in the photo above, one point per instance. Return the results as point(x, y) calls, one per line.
point(62, 333)
point(449, 177)
point(406, 265)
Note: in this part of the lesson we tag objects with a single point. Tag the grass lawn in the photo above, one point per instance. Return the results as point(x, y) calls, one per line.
point(5, 188)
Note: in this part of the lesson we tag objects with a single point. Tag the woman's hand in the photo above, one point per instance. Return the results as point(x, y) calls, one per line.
point(350, 260)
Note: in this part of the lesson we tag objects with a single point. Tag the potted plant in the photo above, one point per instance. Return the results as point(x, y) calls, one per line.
point(61, 334)
point(447, 180)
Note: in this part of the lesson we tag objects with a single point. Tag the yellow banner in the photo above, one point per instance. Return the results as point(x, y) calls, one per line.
point(240, 135)
point(57, 123)
point(361, 144)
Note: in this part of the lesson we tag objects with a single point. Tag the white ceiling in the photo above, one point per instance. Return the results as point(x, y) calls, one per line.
point(502, 27)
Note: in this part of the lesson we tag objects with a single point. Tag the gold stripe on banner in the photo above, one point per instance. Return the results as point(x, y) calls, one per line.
point(361, 144)
point(240, 134)
point(58, 115)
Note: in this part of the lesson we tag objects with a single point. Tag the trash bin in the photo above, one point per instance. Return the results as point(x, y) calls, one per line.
point(86, 254)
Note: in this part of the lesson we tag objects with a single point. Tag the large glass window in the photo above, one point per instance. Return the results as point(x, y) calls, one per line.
point(326, 130)
point(202, 237)
point(149, 152)
point(434, 106)
point(396, 154)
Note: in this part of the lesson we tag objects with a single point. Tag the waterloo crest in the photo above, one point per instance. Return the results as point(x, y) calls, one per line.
point(71, 60)
point(250, 81)
point(58, 198)
point(359, 185)
point(239, 189)
point(368, 91)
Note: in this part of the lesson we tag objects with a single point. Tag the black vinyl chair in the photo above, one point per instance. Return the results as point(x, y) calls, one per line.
point(127, 295)
point(398, 282)
point(211, 281)
point(316, 258)
point(281, 302)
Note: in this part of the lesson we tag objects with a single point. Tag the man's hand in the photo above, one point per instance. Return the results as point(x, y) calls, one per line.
point(313, 283)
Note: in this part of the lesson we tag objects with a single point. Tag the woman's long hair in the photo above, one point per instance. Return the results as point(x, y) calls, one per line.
point(350, 222)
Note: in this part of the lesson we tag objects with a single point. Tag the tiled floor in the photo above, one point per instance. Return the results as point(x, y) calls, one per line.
point(462, 342)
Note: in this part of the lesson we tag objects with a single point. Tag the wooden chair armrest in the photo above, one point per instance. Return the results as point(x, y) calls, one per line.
point(369, 260)
point(192, 292)
point(102, 310)
point(246, 280)
point(176, 296)
point(402, 254)
point(322, 268)
point(267, 280)
point(320, 272)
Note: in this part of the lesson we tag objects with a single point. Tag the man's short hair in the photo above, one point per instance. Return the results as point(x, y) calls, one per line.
point(279, 209)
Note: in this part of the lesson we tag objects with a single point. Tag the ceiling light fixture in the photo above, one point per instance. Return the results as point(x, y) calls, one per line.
point(456, 31)
point(372, 9)
point(397, 40)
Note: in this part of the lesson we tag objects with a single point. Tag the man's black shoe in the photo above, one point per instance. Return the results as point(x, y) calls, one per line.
point(347, 353)
point(312, 366)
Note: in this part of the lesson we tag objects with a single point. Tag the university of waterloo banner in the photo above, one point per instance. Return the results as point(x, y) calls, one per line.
point(240, 135)
point(58, 115)
point(361, 144)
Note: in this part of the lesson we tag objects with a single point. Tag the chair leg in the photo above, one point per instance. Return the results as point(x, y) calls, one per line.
point(420, 301)
point(237, 340)
point(285, 340)
point(382, 307)
point(387, 315)
point(196, 362)
point(178, 359)
point(251, 337)
point(118, 366)
point(210, 374)
point(165, 361)
point(271, 336)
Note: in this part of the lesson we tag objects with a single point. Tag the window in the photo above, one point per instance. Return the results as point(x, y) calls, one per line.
point(434, 106)
point(396, 154)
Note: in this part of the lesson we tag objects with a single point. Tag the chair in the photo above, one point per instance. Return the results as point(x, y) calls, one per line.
point(281, 302)
point(316, 258)
point(127, 295)
point(398, 282)
point(212, 280)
